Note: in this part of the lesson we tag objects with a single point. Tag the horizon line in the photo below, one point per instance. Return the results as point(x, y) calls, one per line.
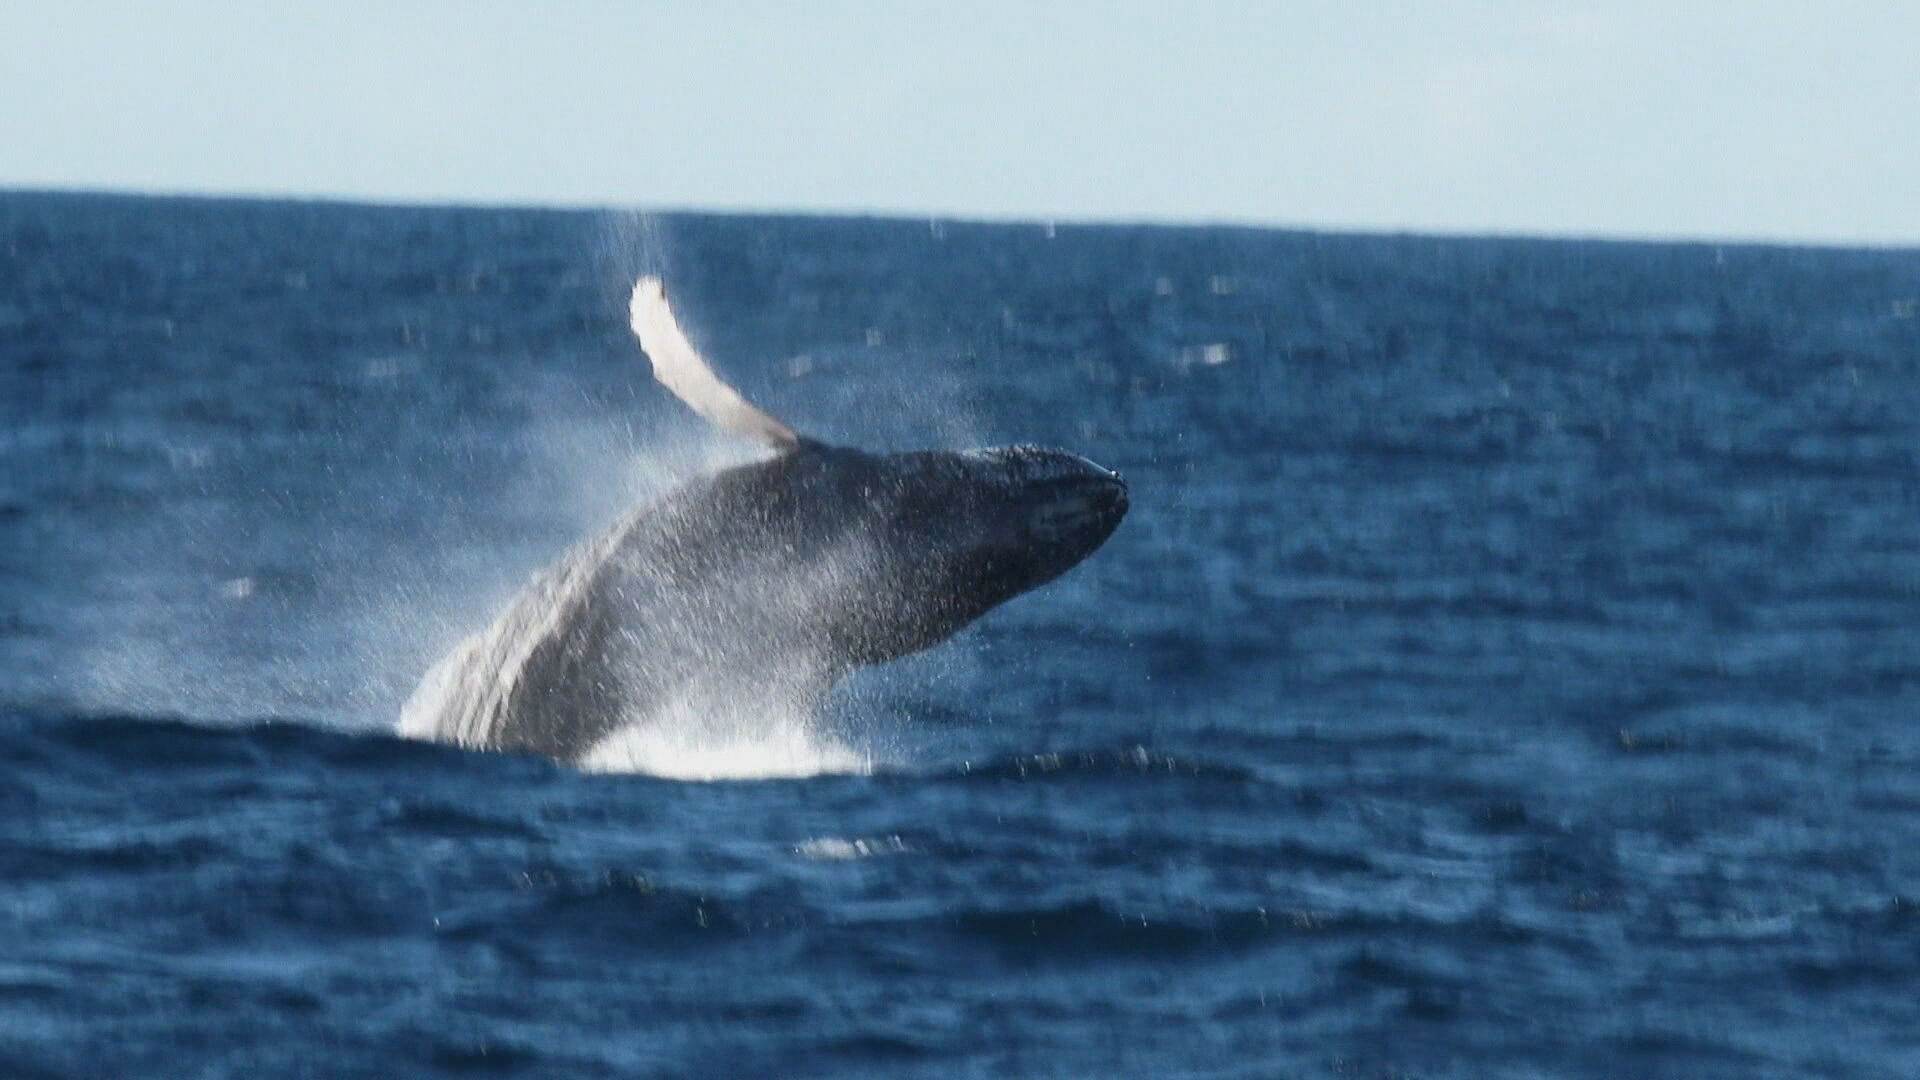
point(962, 217)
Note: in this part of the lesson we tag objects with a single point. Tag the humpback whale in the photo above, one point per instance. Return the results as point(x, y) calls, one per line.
point(789, 571)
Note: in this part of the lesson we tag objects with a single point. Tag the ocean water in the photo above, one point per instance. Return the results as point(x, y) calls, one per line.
point(1509, 667)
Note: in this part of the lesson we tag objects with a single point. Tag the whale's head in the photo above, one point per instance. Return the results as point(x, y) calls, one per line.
point(952, 534)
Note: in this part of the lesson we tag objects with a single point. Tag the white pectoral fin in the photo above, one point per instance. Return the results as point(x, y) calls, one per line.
point(679, 367)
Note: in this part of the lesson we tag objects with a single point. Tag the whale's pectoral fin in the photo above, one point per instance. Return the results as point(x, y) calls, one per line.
point(679, 367)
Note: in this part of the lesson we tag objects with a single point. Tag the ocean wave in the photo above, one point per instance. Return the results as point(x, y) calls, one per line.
point(1097, 764)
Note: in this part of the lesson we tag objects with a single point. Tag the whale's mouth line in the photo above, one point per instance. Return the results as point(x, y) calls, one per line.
point(1072, 506)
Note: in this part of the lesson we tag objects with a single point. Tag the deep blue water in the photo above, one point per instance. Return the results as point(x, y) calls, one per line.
point(1509, 666)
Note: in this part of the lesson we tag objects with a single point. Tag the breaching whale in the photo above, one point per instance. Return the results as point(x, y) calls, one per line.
point(785, 572)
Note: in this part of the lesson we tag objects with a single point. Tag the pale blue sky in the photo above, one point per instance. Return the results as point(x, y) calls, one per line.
point(1701, 119)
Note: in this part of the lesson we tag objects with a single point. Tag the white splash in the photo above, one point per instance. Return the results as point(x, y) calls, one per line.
point(687, 742)
point(838, 849)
